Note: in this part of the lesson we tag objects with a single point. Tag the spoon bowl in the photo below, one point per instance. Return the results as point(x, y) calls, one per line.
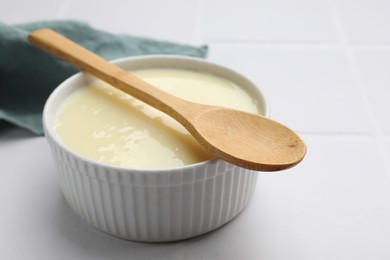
point(259, 144)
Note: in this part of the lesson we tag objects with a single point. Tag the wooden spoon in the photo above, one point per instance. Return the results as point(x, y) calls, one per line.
point(246, 140)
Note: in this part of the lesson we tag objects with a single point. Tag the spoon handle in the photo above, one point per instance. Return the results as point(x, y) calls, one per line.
point(87, 61)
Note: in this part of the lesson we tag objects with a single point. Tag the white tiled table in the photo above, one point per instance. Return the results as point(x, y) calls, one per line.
point(324, 66)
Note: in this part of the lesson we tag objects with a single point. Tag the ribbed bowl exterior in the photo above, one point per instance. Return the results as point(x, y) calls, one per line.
point(153, 206)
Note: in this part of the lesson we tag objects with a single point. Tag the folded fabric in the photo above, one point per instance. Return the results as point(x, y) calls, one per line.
point(28, 75)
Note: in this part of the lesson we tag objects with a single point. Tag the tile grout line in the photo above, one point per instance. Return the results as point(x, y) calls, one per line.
point(290, 45)
point(354, 70)
point(263, 44)
point(198, 23)
point(352, 137)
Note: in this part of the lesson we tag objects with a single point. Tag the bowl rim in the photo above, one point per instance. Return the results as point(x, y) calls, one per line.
point(49, 131)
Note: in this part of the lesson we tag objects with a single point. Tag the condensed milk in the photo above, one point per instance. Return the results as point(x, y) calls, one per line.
point(104, 124)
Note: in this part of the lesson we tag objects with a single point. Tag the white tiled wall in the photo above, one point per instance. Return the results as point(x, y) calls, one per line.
point(309, 88)
point(278, 21)
point(168, 19)
point(324, 66)
point(365, 21)
point(374, 71)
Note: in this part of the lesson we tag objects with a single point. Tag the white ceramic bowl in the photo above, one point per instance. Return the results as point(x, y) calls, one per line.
point(151, 205)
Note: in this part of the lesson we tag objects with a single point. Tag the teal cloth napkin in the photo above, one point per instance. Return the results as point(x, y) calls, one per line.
point(28, 75)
